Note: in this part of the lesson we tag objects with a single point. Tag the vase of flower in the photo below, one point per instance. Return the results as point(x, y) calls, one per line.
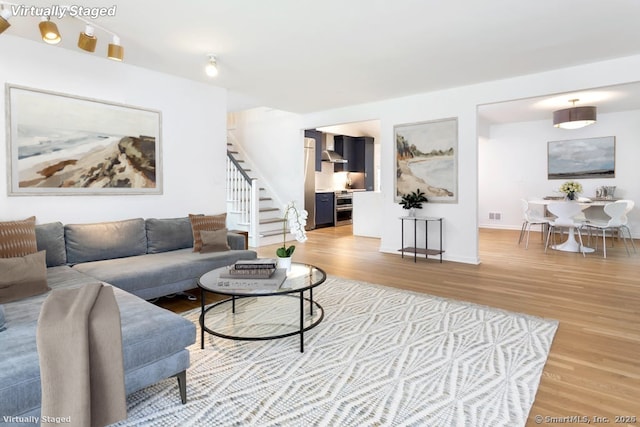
point(296, 219)
point(571, 189)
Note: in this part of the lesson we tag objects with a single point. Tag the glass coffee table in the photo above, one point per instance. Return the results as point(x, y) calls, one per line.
point(263, 314)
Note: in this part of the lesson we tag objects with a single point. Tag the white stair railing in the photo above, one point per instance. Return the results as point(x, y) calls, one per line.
point(242, 194)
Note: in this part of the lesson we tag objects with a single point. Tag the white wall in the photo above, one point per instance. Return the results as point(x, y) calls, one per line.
point(513, 165)
point(193, 133)
point(461, 219)
point(460, 234)
point(272, 141)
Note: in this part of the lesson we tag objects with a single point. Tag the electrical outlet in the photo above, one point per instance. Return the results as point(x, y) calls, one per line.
point(497, 216)
point(492, 215)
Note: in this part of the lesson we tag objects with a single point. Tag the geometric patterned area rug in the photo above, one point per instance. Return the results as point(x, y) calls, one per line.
point(380, 357)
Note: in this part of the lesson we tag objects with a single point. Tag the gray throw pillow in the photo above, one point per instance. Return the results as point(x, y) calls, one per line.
point(50, 238)
point(23, 277)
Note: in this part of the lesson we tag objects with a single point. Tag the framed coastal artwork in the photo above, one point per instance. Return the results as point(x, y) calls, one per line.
point(427, 159)
point(61, 144)
point(582, 158)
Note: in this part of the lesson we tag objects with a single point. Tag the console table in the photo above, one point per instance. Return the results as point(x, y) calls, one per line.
point(415, 249)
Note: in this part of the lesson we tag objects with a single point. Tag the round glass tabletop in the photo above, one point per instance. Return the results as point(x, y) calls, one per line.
point(300, 278)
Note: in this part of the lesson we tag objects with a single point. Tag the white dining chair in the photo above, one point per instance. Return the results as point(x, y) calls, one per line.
point(616, 213)
point(565, 213)
point(529, 218)
point(625, 226)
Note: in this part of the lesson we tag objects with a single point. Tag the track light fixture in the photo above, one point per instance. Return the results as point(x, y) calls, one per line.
point(212, 66)
point(87, 41)
point(49, 31)
point(5, 14)
point(116, 51)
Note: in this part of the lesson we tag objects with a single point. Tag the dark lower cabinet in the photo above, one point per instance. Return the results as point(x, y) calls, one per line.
point(324, 209)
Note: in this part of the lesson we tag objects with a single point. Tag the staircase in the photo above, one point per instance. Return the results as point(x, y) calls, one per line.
point(250, 206)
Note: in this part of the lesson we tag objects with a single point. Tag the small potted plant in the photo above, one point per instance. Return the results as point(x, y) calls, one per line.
point(296, 219)
point(413, 201)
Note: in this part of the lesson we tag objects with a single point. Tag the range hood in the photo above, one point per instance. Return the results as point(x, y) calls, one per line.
point(332, 157)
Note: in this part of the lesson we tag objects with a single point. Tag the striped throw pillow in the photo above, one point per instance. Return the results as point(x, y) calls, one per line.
point(18, 238)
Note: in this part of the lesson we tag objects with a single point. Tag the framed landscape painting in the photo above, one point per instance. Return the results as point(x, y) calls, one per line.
point(67, 145)
point(582, 158)
point(427, 159)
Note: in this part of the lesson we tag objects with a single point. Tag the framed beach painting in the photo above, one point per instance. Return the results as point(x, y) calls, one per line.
point(582, 158)
point(427, 159)
point(61, 144)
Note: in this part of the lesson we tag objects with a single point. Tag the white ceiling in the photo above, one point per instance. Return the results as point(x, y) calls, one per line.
point(311, 55)
point(609, 99)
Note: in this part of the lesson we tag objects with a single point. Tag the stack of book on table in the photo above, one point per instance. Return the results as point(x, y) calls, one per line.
point(256, 274)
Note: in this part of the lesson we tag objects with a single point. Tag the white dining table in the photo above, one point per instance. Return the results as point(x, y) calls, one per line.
point(571, 244)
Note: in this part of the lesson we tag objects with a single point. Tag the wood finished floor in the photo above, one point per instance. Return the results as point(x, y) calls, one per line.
point(593, 369)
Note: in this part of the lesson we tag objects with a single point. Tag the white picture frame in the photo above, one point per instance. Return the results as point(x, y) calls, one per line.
point(582, 158)
point(61, 144)
point(427, 159)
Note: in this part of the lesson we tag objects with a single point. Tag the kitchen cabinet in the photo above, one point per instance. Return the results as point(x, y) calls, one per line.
point(348, 147)
point(325, 209)
point(317, 136)
point(368, 163)
point(358, 151)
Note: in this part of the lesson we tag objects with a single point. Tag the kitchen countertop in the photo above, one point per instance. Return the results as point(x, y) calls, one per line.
point(348, 190)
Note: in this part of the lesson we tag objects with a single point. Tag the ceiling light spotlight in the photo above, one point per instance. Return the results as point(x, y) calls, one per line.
point(212, 66)
point(116, 52)
point(574, 117)
point(87, 41)
point(49, 31)
point(5, 14)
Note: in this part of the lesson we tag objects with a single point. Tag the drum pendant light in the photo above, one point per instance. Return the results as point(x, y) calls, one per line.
point(574, 117)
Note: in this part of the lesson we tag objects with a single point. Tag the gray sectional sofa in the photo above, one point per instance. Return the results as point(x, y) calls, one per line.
point(141, 259)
